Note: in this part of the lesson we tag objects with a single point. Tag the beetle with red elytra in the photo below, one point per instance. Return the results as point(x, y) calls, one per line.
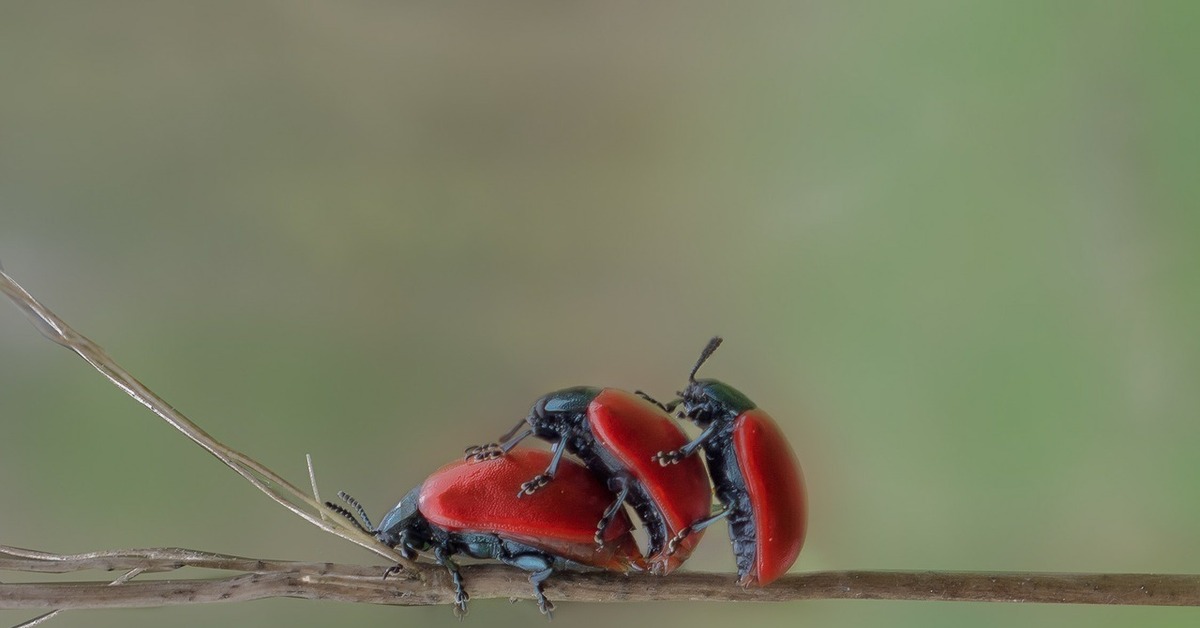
point(471, 508)
point(754, 471)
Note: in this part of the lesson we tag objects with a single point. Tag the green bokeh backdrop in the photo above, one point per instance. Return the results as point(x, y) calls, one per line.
point(952, 246)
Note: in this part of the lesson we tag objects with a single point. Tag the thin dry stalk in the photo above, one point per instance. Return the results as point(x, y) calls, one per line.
point(429, 584)
point(262, 478)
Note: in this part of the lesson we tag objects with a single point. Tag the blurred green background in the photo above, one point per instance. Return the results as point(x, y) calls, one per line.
point(953, 248)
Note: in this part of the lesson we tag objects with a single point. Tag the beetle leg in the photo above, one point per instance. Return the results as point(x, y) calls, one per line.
point(618, 484)
point(479, 452)
point(442, 555)
point(544, 605)
point(668, 407)
point(540, 567)
point(652, 400)
point(407, 545)
point(543, 478)
point(497, 449)
point(697, 526)
point(394, 569)
point(674, 456)
point(512, 441)
point(665, 458)
point(516, 428)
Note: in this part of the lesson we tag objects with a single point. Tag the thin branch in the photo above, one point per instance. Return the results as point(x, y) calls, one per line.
point(125, 577)
point(155, 559)
point(312, 480)
point(429, 584)
point(264, 479)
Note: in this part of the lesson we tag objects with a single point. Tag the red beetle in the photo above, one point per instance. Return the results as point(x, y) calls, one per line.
point(471, 507)
point(616, 434)
point(754, 470)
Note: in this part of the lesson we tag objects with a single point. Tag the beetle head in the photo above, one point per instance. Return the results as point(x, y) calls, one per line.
point(404, 527)
point(705, 400)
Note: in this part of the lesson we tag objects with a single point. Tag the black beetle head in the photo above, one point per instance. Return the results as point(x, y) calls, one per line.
point(705, 400)
point(404, 527)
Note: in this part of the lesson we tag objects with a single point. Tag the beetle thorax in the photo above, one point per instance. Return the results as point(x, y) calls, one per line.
point(708, 400)
point(562, 413)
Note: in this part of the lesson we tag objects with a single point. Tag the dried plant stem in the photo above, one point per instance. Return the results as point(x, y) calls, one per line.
point(429, 584)
point(264, 479)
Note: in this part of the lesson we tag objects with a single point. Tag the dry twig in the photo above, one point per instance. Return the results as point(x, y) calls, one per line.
point(264, 479)
point(429, 584)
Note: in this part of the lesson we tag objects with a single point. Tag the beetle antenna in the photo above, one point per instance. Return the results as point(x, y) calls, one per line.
point(704, 355)
point(362, 512)
point(348, 515)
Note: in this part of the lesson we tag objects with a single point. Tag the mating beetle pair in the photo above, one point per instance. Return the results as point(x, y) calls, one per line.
point(502, 503)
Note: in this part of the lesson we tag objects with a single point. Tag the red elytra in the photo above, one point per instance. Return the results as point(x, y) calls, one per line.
point(481, 497)
point(778, 497)
point(632, 430)
point(616, 434)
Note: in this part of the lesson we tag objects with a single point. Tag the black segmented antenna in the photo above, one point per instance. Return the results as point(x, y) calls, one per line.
point(362, 512)
point(704, 355)
point(348, 515)
point(364, 525)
